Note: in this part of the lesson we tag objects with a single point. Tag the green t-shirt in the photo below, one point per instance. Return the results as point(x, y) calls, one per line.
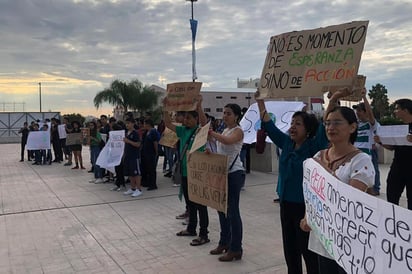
point(184, 135)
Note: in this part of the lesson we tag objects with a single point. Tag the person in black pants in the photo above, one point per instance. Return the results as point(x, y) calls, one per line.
point(149, 155)
point(24, 135)
point(400, 174)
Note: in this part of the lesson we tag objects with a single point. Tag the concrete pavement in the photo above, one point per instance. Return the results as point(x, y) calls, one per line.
point(53, 221)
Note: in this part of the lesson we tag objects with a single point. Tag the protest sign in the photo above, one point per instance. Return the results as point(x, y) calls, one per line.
point(112, 153)
point(357, 87)
point(62, 131)
point(169, 138)
point(74, 139)
point(279, 111)
point(182, 96)
point(85, 136)
point(38, 140)
point(200, 138)
point(361, 233)
point(207, 179)
point(311, 62)
point(394, 135)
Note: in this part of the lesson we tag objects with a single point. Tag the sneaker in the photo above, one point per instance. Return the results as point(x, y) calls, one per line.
point(99, 181)
point(176, 185)
point(92, 181)
point(128, 192)
point(136, 193)
point(116, 188)
point(68, 164)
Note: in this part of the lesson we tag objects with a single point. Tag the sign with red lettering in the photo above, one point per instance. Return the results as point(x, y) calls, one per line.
point(182, 96)
point(361, 233)
point(311, 62)
point(207, 179)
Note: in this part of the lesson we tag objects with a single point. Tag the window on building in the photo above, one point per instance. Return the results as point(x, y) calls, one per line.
point(233, 97)
point(206, 110)
point(219, 109)
point(248, 97)
point(219, 97)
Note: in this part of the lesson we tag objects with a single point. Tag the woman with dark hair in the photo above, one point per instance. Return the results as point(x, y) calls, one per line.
point(304, 139)
point(349, 164)
point(230, 143)
point(77, 149)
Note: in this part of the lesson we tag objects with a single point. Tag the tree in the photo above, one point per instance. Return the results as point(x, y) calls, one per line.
point(380, 101)
point(118, 94)
point(75, 117)
point(130, 96)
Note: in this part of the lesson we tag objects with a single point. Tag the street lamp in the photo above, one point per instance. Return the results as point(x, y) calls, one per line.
point(40, 95)
point(193, 27)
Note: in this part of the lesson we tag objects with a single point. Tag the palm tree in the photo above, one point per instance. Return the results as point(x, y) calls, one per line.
point(130, 96)
point(118, 94)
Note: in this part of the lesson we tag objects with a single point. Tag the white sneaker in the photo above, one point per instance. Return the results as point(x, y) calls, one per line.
point(99, 181)
point(92, 181)
point(128, 192)
point(176, 185)
point(115, 188)
point(136, 193)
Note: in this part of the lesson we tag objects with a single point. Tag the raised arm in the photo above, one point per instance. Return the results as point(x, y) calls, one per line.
point(368, 109)
point(334, 100)
point(168, 121)
point(199, 109)
point(264, 116)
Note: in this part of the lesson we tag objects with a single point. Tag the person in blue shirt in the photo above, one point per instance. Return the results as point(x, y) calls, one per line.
point(304, 138)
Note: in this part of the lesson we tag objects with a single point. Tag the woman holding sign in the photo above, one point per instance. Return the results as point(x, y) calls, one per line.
point(230, 143)
point(305, 138)
point(349, 164)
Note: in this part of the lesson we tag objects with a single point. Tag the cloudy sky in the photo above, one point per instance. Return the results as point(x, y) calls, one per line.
point(75, 48)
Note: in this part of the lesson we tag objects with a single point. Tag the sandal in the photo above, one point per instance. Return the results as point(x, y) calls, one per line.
point(185, 233)
point(199, 241)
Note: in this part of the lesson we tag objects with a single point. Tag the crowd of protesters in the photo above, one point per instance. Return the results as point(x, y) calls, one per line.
point(332, 142)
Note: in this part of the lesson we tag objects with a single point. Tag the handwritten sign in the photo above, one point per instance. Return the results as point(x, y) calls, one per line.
point(311, 62)
point(169, 138)
point(200, 138)
point(357, 86)
point(280, 112)
point(38, 140)
point(182, 96)
point(74, 139)
point(362, 233)
point(62, 131)
point(207, 180)
point(394, 135)
point(112, 153)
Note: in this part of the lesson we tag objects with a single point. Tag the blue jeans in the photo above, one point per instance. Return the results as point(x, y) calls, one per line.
point(168, 158)
point(94, 153)
point(231, 229)
point(374, 154)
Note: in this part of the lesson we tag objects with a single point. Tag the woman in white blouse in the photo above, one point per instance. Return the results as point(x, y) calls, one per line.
point(230, 143)
point(350, 165)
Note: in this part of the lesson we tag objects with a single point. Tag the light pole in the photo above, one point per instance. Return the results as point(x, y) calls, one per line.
point(193, 27)
point(40, 95)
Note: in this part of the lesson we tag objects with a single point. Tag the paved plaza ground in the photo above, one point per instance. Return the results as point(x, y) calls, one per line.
point(53, 221)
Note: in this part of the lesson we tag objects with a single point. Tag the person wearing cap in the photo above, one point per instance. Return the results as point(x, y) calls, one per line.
point(367, 126)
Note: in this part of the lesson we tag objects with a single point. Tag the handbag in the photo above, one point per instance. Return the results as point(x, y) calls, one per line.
point(260, 141)
point(177, 169)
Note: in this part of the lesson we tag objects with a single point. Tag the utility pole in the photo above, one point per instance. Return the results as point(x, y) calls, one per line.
point(193, 27)
point(40, 95)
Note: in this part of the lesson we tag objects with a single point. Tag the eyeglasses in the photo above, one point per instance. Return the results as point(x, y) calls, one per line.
point(334, 123)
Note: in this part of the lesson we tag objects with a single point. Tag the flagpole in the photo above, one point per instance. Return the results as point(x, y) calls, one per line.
point(193, 27)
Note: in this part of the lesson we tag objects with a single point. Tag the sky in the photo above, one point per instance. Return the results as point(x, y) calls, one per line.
point(76, 48)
